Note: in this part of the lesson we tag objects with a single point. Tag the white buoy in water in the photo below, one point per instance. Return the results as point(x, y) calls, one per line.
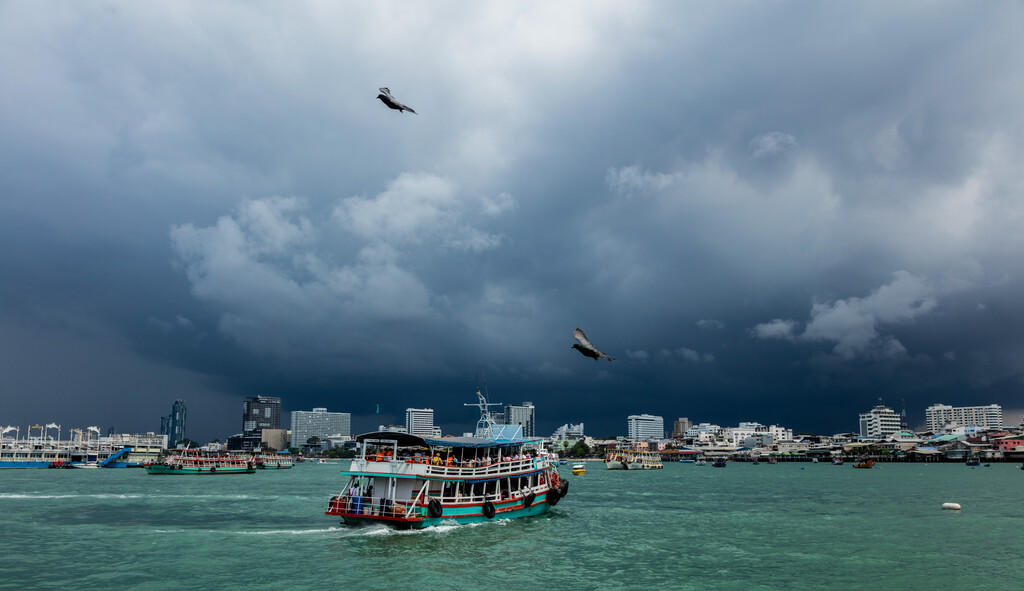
point(951, 506)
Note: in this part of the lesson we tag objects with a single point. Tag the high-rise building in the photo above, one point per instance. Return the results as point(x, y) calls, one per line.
point(173, 425)
point(879, 422)
point(420, 421)
point(260, 412)
point(680, 426)
point(645, 426)
point(522, 415)
point(939, 415)
point(318, 423)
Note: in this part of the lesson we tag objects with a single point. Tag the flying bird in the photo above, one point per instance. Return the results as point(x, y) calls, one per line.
point(586, 348)
point(386, 98)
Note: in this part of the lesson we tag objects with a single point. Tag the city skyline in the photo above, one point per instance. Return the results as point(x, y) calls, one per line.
point(761, 212)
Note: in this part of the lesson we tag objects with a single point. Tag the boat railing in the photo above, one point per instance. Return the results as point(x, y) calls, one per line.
point(494, 469)
point(443, 470)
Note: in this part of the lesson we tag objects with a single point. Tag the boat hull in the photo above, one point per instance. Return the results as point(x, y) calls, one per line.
point(183, 470)
point(454, 514)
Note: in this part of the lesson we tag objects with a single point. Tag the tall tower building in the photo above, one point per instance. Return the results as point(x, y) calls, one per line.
point(680, 427)
point(879, 422)
point(645, 426)
point(318, 423)
point(522, 415)
point(419, 421)
point(173, 425)
point(259, 413)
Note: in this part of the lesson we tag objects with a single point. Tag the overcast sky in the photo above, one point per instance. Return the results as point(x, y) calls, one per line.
point(765, 211)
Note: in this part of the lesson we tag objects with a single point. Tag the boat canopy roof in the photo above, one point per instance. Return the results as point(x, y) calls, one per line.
point(407, 440)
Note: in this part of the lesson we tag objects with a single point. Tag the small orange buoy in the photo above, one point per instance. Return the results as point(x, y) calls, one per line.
point(951, 506)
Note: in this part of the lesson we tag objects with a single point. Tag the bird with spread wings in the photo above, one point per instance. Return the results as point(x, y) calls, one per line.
point(386, 98)
point(585, 347)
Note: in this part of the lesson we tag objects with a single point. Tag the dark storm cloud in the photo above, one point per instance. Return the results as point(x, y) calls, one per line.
point(764, 212)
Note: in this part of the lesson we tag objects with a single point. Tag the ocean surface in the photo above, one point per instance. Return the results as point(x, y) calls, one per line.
point(786, 526)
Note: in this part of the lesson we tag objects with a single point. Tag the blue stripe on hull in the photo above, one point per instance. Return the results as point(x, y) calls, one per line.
point(461, 515)
point(29, 464)
point(535, 509)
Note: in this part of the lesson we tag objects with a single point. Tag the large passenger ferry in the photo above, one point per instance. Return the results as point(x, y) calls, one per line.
point(632, 459)
point(196, 461)
point(411, 481)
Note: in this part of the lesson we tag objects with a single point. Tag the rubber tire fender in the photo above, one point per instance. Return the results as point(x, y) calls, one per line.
point(553, 496)
point(434, 508)
point(563, 489)
point(488, 510)
point(528, 500)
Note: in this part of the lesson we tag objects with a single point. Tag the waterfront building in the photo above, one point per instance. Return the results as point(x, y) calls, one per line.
point(703, 431)
point(938, 416)
point(173, 425)
point(275, 438)
point(319, 423)
point(522, 415)
point(569, 432)
point(260, 412)
point(879, 422)
point(645, 426)
point(679, 427)
point(419, 421)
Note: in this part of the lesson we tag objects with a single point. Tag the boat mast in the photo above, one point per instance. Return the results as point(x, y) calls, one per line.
point(483, 426)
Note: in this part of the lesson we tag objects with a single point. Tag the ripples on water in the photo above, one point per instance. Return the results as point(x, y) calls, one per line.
point(785, 526)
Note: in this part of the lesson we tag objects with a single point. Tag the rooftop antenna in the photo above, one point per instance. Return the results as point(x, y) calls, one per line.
point(483, 426)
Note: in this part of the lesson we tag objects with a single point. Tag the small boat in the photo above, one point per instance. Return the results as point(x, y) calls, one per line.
point(85, 465)
point(865, 464)
point(322, 461)
point(772, 461)
point(755, 462)
point(837, 461)
point(703, 462)
point(719, 463)
point(973, 462)
point(579, 469)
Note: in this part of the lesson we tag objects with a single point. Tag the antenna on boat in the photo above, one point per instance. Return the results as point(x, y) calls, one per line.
point(483, 426)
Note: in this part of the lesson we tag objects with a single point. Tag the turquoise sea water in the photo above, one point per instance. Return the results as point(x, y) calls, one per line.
point(785, 526)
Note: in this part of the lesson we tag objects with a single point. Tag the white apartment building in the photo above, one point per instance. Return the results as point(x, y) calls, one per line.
point(879, 422)
point(750, 429)
point(319, 423)
point(420, 421)
point(702, 430)
point(569, 432)
point(645, 426)
point(522, 415)
point(938, 416)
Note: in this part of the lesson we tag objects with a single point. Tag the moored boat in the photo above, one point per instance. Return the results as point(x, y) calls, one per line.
point(837, 461)
point(632, 459)
point(973, 462)
point(195, 461)
point(864, 464)
point(718, 463)
point(266, 460)
point(579, 469)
